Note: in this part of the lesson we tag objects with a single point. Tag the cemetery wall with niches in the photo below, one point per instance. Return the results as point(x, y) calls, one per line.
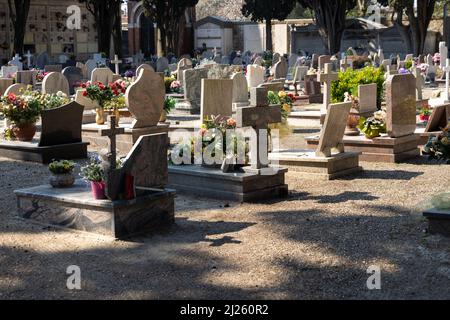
point(47, 30)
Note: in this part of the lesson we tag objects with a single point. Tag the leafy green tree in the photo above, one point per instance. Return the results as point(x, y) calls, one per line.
point(18, 12)
point(419, 18)
point(108, 19)
point(265, 11)
point(167, 14)
point(330, 18)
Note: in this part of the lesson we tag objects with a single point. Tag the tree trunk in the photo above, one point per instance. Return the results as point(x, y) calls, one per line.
point(19, 17)
point(269, 46)
point(117, 32)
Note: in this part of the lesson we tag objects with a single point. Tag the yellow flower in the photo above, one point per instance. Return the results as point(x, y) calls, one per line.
point(282, 94)
point(286, 107)
point(445, 141)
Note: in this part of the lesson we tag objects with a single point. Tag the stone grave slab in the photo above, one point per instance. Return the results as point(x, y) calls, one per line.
point(58, 139)
point(240, 90)
point(329, 160)
point(367, 94)
point(74, 207)
point(253, 182)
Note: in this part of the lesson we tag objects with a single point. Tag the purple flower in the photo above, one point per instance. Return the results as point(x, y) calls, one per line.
point(403, 71)
point(129, 74)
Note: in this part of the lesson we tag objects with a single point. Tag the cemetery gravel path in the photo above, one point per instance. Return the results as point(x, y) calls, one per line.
point(317, 244)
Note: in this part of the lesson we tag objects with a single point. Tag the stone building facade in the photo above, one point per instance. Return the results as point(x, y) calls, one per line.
point(143, 35)
point(47, 30)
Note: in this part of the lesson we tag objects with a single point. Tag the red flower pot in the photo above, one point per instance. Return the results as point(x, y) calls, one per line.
point(24, 132)
point(423, 117)
point(98, 190)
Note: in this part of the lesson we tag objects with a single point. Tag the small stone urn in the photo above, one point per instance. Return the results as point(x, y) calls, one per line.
point(62, 180)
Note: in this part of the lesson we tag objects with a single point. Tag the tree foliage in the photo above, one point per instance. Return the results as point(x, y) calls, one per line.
point(415, 32)
point(167, 14)
point(267, 10)
point(330, 17)
point(108, 19)
point(19, 10)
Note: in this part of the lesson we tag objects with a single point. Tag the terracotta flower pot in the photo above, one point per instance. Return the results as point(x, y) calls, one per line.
point(24, 132)
point(352, 123)
point(98, 190)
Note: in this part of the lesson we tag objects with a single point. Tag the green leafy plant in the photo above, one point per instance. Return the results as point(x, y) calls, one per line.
point(350, 80)
point(408, 64)
point(93, 171)
point(169, 104)
point(61, 167)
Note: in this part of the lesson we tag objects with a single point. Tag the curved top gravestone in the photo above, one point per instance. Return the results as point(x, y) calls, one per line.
point(54, 82)
point(103, 75)
point(144, 66)
point(401, 105)
point(15, 89)
point(145, 99)
point(57, 132)
point(75, 76)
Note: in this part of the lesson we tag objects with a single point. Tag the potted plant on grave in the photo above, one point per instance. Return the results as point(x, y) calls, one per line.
point(169, 105)
point(23, 114)
point(102, 94)
point(285, 101)
point(62, 173)
point(425, 113)
point(438, 147)
point(353, 117)
point(374, 126)
point(93, 172)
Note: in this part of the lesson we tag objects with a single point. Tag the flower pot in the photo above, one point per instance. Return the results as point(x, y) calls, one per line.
point(99, 116)
point(24, 132)
point(62, 180)
point(352, 123)
point(98, 190)
point(423, 117)
point(116, 112)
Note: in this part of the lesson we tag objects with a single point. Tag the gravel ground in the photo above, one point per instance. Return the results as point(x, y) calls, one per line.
point(316, 244)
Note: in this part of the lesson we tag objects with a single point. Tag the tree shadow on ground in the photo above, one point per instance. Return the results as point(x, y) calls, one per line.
point(346, 246)
point(384, 175)
point(325, 199)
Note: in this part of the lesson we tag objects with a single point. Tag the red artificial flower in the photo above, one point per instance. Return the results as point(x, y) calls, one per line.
point(83, 85)
point(85, 93)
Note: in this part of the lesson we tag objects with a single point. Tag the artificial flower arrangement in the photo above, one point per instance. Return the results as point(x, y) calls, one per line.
point(374, 126)
point(213, 138)
point(176, 87)
point(425, 113)
point(93, 172)
point(284, 100)
point(438, 147)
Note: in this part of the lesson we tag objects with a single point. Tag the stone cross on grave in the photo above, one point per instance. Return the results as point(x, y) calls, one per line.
point(420, 81)
point(112, 132)
point(258, 116)
point(344, 64)
point(117, 63)
point(446, 69)
point(327, 77)
point(28, 56)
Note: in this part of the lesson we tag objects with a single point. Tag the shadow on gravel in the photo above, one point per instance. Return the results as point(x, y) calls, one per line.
point(385, 175)
point(324, 199)
point(342, 248)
